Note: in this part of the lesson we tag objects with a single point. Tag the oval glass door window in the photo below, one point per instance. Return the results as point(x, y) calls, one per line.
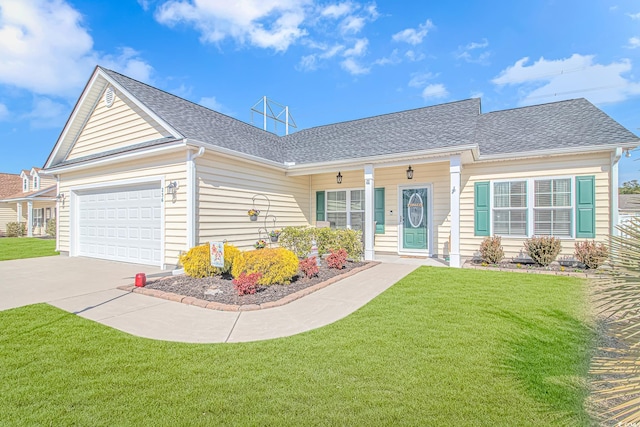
point(415, 210)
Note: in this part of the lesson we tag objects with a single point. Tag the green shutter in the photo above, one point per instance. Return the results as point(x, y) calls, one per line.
point(585, 207)
point(320, 206)
point(482, 217)
point(378, 216)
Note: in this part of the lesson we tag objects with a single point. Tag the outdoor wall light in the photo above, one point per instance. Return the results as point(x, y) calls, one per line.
point(627, 153)
point(60, 197)
point(172, 188)
point(339, 178)
point(409, 173)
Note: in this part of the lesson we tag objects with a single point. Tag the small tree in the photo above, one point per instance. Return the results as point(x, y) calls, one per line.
point(630, 187)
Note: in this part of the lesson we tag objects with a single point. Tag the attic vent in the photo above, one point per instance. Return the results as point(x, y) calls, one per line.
point(109, 96)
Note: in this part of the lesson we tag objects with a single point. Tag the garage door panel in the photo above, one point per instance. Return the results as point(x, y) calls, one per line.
point(122, 224)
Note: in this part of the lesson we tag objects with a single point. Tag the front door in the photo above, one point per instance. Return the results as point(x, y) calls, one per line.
point(415, 220)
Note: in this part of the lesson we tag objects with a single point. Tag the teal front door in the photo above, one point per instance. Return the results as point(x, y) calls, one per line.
point(415, 224)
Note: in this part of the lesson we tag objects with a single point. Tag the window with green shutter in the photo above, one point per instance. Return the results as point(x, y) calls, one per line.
point(481, 215)
point(320, 206)
point(585, 207)
point(378, 216)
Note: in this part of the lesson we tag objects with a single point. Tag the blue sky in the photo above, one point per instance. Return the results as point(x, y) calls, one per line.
point(328, 61)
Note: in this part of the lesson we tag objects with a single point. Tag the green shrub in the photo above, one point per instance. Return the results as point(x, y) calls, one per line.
point(491, 250)
point(591, 254)
point(16, 229)
point(543, 250)
point(197, 262)
point(298, 240)
point(51, 227)
point(277, 265)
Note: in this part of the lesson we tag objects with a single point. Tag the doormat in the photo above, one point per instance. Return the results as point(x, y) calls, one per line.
point(414, 257)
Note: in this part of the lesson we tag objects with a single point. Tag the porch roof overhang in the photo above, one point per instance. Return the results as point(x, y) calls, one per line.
point(39, 196)
point(469, 153)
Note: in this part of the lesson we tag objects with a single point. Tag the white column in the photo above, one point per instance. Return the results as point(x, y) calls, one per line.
point(29, 218)
point(192, 195)
point(369, 226)
point(19, 210)
point(615, 158)
point(454, 172)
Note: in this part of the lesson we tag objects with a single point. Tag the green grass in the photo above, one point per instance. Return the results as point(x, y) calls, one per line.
point(441, 347)
point(26, 247)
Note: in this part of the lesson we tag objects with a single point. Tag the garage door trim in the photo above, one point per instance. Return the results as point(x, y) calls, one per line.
point(79, 190)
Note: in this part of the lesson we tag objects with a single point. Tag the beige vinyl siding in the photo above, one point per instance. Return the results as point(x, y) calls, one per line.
point(8, 213)
point(565, 166)
point(435, 175)
point(114, 127)
point(170, 166)
point(225, 190)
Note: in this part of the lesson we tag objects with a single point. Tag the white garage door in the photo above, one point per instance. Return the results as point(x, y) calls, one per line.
point(121, 224)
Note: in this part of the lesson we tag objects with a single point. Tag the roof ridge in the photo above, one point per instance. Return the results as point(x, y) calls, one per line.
point(523, 107)
point(382, 115)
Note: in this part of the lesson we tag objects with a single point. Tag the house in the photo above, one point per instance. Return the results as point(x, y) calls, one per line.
point(144, 175)
point(28, 198)
point(628, 207)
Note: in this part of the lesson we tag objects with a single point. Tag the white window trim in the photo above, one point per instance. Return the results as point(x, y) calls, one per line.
point(531, 205)
point(348, 203)
point(25, 185)
point(36, 182)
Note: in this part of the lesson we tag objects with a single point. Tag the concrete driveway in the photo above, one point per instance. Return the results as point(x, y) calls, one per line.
point(87, 287)
point(47, 279)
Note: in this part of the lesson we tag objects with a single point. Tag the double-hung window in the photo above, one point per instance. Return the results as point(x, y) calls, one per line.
point(345, 209)
point(553, 211)
point(533, 207)
point(510, 208)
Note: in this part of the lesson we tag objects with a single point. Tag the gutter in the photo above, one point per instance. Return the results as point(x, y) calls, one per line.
point(236, 154)
point(143, 152)
point(559, 151)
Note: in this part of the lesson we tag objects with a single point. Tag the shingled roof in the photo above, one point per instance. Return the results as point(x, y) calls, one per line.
point(540, 128)
point(9, 184)
point(197, 122)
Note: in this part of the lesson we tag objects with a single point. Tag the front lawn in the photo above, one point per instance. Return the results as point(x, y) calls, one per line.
point(26, 247)
point(441, 347)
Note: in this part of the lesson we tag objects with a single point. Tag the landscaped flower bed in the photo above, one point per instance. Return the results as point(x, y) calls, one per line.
point(221, 289)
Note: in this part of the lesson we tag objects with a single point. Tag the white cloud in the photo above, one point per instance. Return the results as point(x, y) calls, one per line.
point(467, 52)
point(476, 95)
point(46, 49)
point(634, 15)
point(574, 77)
point(413, 56)
point(414, 36)
point(358, 49)
point(4, 112)
point(353, 67)
point(634, 42)
point(392, 59)
point(352, 25)
point(273, 24)
point(421, 79)
point(337, 10)
point(435, 91)
point(212, 103)
point(47, 113)
point(308, 63)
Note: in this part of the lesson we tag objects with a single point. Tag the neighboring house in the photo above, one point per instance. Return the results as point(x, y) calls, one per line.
point(628, 207)
point(28, 198)
point(144, 175)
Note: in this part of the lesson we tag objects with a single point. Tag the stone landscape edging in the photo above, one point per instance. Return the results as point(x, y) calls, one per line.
point(582, 275)
point(212, 305)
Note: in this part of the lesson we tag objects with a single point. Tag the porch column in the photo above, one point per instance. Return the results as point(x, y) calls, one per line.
point(29, 218)
point(454, 172)
point(19, 211)
point(369, 227)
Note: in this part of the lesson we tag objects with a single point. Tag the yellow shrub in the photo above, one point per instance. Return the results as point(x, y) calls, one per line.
point(277, 265)
point(197, 262)
point(230, 254)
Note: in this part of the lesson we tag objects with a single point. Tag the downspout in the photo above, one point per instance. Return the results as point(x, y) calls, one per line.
point(192, 192)
point(615, 158)
point(57, 212)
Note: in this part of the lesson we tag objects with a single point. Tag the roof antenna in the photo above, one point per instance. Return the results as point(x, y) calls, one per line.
point(269, 108)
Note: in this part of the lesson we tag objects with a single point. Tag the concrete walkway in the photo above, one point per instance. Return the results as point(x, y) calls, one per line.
point(87, 287)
